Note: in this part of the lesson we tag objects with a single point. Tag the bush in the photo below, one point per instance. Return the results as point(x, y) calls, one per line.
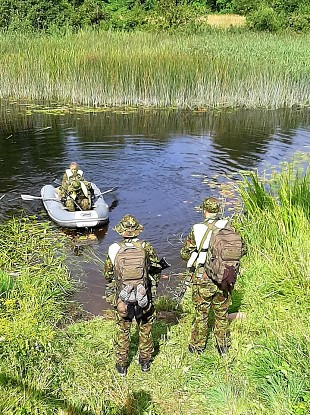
point(90, 13)
point(171, 16)
point(127, 20)
point(245, 6)
point(264, 19)
point(299, 22)
point(36, 15)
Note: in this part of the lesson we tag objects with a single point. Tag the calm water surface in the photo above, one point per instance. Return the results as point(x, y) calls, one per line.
point(163, 162)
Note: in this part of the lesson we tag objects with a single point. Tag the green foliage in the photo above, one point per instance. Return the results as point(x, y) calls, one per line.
point(126, 19)
point(244, 7)
point(33, 14)
point(264, 19)
point(50, 15)
point(288, 6)
point(299, 22)
point(90, 13)
point(224, 6)
point(174, 16)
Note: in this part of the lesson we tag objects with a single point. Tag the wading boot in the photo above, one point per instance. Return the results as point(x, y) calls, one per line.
point(122, 370)
point(145, 365)
point(222, 349)
point(196, 350)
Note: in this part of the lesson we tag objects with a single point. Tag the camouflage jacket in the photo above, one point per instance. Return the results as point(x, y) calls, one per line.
point(67, 184)
point(154, 273)
point(189, 245)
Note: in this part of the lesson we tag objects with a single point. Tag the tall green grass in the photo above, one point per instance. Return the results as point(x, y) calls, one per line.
point(216, 69)
point(34, 295)
point(275, 337)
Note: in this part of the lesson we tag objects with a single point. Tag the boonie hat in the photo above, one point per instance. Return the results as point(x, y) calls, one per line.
point(210, 204)
point(129, 227)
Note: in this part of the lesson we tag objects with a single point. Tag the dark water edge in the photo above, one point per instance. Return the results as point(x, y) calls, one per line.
point(163, 162)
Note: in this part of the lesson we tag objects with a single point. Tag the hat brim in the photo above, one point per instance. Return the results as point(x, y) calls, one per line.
point(128, 233)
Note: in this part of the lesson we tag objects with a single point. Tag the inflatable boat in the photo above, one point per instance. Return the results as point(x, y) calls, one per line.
point(98, 215)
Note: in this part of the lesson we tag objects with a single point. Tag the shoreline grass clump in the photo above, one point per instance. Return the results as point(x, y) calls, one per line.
point(275, 337)
point(114, 69)
point(35, 287)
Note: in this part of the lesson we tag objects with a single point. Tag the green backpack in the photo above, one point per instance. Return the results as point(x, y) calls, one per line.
point(226, 248)
point(131, 265)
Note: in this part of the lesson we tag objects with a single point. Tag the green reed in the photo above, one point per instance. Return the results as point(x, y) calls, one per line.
point(276, 289)
point(216, 69)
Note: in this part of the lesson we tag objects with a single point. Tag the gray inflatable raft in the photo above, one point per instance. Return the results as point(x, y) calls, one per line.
point(98, 215)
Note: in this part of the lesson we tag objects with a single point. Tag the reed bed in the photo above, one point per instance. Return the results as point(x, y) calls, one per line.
point(215, 69)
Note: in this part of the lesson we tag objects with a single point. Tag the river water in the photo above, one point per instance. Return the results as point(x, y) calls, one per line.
point(163, 162)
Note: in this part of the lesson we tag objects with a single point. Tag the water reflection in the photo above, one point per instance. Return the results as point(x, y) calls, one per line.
point(158, 159)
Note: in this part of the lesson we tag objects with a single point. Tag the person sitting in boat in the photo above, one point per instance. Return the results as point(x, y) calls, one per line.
point(75, 192)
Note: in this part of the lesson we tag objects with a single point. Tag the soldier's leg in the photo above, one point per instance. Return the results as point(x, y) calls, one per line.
point(70, 205)
point(122, 340)
point(202, 298)
point(146, 346)
point(220, 306)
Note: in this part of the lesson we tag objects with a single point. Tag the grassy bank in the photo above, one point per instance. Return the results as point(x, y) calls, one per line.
point(216, 69)
point(48, 368)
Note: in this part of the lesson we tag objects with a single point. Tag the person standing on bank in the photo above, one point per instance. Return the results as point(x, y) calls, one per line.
point(75, 192)
point(132, 271)
point(208, 290)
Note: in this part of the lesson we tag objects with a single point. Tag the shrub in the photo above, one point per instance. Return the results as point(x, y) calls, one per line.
point(90, 13)
point(172, 16)
point(36, 15)
point(264, 19)
point(245, 6)
point(299, 22)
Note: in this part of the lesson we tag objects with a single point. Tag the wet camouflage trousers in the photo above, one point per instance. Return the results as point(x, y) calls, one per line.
point(146, 347)
point(206, 296)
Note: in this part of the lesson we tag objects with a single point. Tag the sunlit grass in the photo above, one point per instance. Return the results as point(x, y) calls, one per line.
point(217, 69)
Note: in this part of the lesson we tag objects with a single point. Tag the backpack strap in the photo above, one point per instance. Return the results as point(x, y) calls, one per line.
point(203, 241)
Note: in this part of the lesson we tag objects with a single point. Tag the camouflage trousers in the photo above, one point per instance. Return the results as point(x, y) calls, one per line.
point(82, 202)
point(206, 296)
point(146, 347)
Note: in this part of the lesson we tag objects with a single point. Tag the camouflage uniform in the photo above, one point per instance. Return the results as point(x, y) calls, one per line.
point(71, 191)
point(205, 293)
point(129, 228)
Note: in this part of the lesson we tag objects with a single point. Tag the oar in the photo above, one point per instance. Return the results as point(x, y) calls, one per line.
point(108, 191)
point(2, 196)
point(30, 197)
